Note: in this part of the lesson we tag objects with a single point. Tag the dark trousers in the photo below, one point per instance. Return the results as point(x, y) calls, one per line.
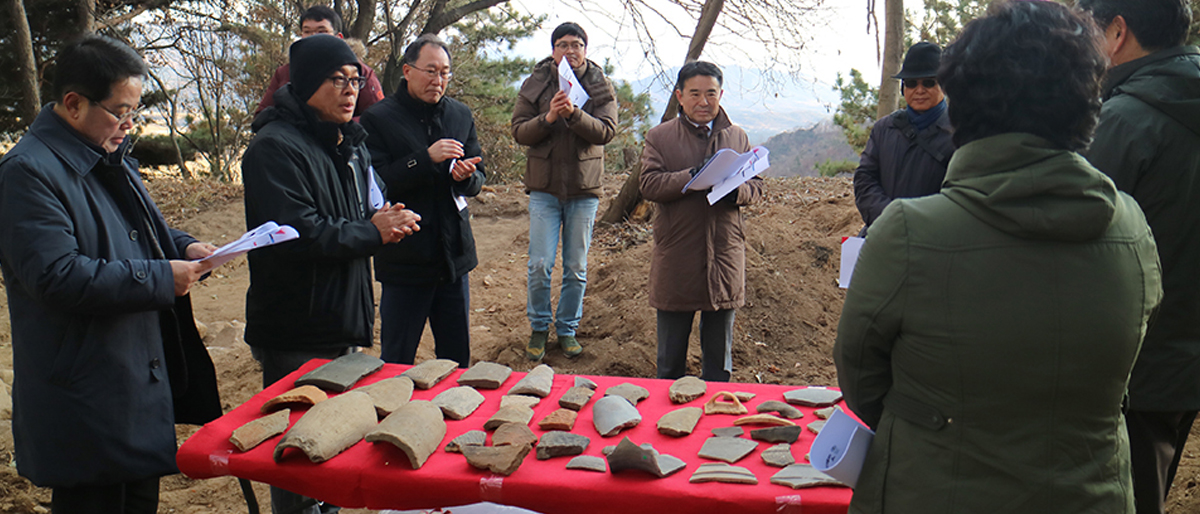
point(716, 343)
point(277, 364)
point(135, 497)
point(1156, 441)
point(403, 310)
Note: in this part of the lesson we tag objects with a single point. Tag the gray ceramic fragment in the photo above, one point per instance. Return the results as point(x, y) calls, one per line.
point(679, 422)
point(779, 455)
point(427, 374)
point(559, 444)
point(816, 426)
point(631, 456)
point(501, 460)
point(520, 400)
point(813, 396)
point(485, 375)
point(584, 382)
point(728, 432)
point(631, 392)
point(510, 414)
point(536, 383)
point(612, 414)
point(340, 374)
point(458, 402)
point(588, 463)
point(780, 408)
point(470, 438)
point(687, 389)
point(777, 434)
point(826, 412)
point(513, 433)
point(389, 394)
point(609, 449)
point(728, 449)
point(799, 476)
point(721, 472)
point(417, 429)
point(255, 432)
point(575, 398)
point(329, 427)
point(744, 396)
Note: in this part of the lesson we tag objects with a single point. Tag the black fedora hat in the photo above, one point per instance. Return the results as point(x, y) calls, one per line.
point(920, 61)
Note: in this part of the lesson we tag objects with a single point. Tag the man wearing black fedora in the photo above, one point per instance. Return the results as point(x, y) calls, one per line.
point(907, 153)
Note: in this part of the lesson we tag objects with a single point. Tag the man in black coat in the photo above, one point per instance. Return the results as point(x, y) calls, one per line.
point(307, 167)
point(908, 151)
point(105, 351)
point(424, 147)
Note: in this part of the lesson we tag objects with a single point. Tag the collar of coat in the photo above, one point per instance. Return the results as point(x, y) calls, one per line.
point(288, 109)
point(417, 105)
point(721, 122)
point(79, 154)
point(1120, 74)
point(545, 75)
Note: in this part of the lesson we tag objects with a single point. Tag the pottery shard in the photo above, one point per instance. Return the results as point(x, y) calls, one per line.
point(513, 433)
point(485, 375)
point(458, 402)
point(631, 456)
point(427, 374)
point(813, 396)
point(779, 455)
point(417, 429)
point(561, 444)
point(389, 394)
point(329, 427)
point(510, 414)
point(732, 405)
point(763, 419)
point(340, 374)
point(799, 476)
point(679, 422)
point(607, 450)
point(826, 412)
point(728, 449)
point(470, 438)
point(816, 426)
point(575, 398)
point(721, 472)
point(300, 397)
point(687, 389)
point(728, 432)
point(255, 432)
point(561, 419)
point(536, 383)
point(519, 400)
point(780, 408)
point(501, 460)
point(744, 396)
point(588, 463)
point(777, 434)
point(585, 382)
point(631, 392)
point(612, 414)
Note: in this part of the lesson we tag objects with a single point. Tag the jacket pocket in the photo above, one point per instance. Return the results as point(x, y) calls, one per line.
point(591, 166)
point(537, 166)
point(914, 411)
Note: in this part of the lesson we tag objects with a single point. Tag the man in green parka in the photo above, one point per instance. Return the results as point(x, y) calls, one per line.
point(1148, 142)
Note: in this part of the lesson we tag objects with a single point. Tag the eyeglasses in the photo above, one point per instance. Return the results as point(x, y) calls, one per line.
point(913, 83)
point(562, 45)
point(433, 74)
point(134, 115)
point(341, 82)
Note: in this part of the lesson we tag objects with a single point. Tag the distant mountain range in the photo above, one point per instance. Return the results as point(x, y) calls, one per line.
point(797, 152)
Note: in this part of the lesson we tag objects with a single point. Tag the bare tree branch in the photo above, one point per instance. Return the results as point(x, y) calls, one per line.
point(442, 20)
point(117, 20)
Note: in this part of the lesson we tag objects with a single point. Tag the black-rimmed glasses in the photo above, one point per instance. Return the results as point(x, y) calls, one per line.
point(341, 82)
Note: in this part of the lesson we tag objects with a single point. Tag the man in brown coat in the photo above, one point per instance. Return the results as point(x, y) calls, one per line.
point(699, 259)
point(564, 162)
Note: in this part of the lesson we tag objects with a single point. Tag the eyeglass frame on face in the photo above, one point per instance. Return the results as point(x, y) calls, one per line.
point(434, 74)
point(340, 82)
point(570, 46)
point(929, 83)
point(134, 115)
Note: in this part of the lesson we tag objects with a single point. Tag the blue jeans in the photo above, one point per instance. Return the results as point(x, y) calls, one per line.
point(548, 218)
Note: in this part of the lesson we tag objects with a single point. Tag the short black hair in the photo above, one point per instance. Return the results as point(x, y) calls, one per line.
point(413, 52)
point(91, 64)
point(1157, 24)
point(1031, 67)
point(569, 28)
point(322, 13)
point(695, 68)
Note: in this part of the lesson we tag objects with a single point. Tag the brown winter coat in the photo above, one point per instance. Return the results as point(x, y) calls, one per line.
point(699, 260)
point(564, 158)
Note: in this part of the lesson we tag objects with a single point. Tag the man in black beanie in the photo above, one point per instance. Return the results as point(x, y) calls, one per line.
point(307, 167)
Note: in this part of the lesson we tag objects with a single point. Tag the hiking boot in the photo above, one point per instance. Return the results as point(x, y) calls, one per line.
point(537, 345)
point(570, 346)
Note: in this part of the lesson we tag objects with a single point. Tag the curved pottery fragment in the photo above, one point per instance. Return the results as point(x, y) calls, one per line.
point(427, 374)
point(632, 392)
point(612, 414)
point(645, 458)
point(300, 397)
point(255, 432)
point(780, 408)
point(536, 383)
point(679, 422)
point(763, 419)
point(732, 405)
point(416, 429)
point(687, 389)
point(342, 373)
point(485, 375)
point(813, 396)
point(329, 427)
point(389, 394)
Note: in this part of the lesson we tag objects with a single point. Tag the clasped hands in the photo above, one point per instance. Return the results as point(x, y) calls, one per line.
point(445, 149)
point(560, 107)
point(395, 222)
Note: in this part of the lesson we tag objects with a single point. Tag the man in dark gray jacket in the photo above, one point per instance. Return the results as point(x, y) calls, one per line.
point(1148, 142)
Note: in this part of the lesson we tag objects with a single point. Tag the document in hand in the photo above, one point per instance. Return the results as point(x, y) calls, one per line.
point(727, 170)
point(841, 447)
point(851, 247)
point(262, 236)
point(569, 84)
point(459, 201)
point(376, 194)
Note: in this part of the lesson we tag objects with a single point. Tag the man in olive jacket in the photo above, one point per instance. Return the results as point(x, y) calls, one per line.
point(699, 257)
point(563, 165)
point(1148, 141)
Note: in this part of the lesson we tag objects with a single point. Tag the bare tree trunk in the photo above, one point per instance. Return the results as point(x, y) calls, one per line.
point(708, 19)
point(893, 41)
point(630, 194)
point(172, 130)
point(86, 16)
point(27, 65)
point(439, 19)
point(392, 73)
point(361, 30)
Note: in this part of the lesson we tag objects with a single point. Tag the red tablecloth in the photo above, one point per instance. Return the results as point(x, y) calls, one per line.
point(378, 475)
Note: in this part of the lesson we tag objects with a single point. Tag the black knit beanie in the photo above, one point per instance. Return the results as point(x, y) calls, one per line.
point(314, 59)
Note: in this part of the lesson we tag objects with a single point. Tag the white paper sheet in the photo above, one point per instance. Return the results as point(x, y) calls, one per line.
point(375, 193)
point(755, 164)
point(850, 249)
point(262, 236)
point(841, 447)
point(459, 200)
point(568, 83)
point(727, 170)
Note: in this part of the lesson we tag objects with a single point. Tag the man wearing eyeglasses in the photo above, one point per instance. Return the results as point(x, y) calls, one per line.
point(908, 150)
point(105, 350)
point(424, 147)
point(308, 167)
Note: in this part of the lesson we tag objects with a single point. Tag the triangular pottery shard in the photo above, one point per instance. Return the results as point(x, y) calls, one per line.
point(427, 374)
point(255, 432)
point(779, 455)
point(585, 382)
point(728, 449)
point(329, 427)
point(721, 472)
point(612, 414)
point(340, 374)
point(471, 438)
point(816, 426)
point(458, 402)
point(536, 383)
point(679, 422)
point(561, 419)
point(645, 458)
point(687, 389)
point(501, 460)
point(389, 394)
point(485, 375)
point(731, 406)
point(826, 412)
point(575, 398)
point(633, 393)
point(417, 429)
point(301, 397)
point(780, 408)
point(813, 396)
point(798, 476)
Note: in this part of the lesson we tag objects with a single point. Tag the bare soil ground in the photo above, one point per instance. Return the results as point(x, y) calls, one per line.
point(784, 334)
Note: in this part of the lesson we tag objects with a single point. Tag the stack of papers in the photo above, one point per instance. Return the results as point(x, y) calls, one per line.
point(569, 84)
point(264, 235)
point(727, 170)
